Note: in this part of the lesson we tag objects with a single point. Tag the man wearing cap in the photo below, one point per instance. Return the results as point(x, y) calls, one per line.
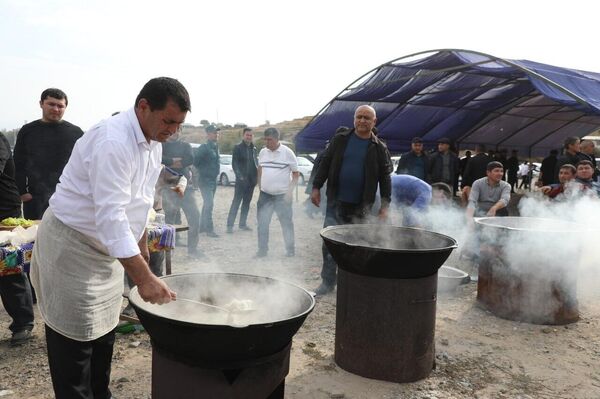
point(354, 166)
point(244, 163)
point(443, 165)
point(277, 177)
point(414, 162)
point(206, 161)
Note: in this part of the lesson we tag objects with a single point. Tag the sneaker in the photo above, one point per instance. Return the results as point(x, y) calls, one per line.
point(229, 230)
point(245, 228)
point(212, 234)
point(324, 289)
point(290, 254)
point(20, 337)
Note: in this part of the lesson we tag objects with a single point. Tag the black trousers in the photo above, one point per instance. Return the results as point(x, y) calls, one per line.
point(339, 213)
point(242, 195)
point(80, 370)
point(35, 208)
point(15, 292)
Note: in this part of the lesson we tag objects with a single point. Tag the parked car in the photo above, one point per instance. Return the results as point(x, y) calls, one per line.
point(226, 175)
point(305, 166)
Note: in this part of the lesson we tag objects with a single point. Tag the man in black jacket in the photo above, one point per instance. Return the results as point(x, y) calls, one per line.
point(178, 156)
point(207, 162)
point(244, 162)
point(572, 154)
point(15, 290)
point(414, 162)
point(443, 165)
point(475, 169)
point(41, 152)
point(546, 176)
point(353, 166)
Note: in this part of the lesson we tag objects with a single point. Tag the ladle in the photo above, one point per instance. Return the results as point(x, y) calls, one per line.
point(204, 304)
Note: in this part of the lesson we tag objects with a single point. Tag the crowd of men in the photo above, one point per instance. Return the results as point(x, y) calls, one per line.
point(93, 193)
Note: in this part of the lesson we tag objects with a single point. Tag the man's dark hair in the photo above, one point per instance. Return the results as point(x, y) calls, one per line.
point(585, 162)
point(570, 167)
point(554, 152)
point(246, 129)
point(54, 93)
point(444, 188)
point(272, 132)
point(570, 141)
point(160, 90)
point(493, 165)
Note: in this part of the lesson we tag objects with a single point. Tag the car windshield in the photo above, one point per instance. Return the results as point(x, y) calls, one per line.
point(225, 159)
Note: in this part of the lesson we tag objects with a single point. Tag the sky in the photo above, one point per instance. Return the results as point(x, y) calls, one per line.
point(251, 61)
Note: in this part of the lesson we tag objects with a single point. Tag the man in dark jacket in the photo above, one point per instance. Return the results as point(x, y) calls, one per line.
point(206, 161)
point(443, 165)
point(476, 169)
point(41, 152)
point(414, 162)
point(572, 154)
point(354, 165)
point(178, 156)
point(546, 176)
point(244, 163)
point(15, 290)
point(512, 175)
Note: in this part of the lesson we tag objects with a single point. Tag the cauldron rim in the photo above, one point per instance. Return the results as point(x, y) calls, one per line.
point(379, 249)
point(166, 319)
point(488, 221)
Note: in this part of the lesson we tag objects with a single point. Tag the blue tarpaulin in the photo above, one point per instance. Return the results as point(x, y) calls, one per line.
point(470, 98)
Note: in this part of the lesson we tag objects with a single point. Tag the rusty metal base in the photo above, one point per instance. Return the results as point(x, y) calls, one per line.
point(384, 327)
point(175, 380)
point(536, 299)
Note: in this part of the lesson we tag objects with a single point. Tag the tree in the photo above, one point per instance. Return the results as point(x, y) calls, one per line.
point(204, 122)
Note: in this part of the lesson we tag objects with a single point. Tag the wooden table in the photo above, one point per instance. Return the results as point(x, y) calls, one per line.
point(178, 228)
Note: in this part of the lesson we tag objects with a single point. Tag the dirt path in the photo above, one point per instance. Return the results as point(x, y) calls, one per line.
point(478, 355)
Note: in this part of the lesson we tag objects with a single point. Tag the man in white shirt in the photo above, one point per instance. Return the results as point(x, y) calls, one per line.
point(96, 216)
point(277, 177)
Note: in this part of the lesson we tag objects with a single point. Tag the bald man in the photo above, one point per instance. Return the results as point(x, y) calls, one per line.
point(354, 165)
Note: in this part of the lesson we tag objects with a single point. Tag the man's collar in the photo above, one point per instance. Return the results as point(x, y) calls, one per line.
point(488, 180)
point(137, 129)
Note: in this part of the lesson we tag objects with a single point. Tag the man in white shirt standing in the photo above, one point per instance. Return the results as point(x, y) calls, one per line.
point(97, 216)
point(277, 177)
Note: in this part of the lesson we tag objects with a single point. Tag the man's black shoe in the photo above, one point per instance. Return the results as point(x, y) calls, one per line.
point(212, 234)
point(324, 289)
point(229, 230)
point(20, 337)
point(261, 254)
point(246, 228)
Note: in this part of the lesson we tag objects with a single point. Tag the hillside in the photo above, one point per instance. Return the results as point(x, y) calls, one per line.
point(231, 136)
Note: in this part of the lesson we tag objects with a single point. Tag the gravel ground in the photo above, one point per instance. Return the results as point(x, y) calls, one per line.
point(478, 355)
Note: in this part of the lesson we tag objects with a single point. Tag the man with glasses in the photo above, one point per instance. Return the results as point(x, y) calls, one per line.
point(41, 152)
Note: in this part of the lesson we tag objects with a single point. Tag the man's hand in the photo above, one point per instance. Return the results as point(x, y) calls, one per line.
point(155, 290)
point(26, 197)
point(315, 197)
point(545, 189)
point(491, 212)
point(179, 190)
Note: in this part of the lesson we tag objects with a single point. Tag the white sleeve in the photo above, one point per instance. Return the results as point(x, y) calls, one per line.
point(110, 174)
point(293, 161)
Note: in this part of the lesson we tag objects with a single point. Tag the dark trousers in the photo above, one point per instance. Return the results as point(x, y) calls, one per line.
point(80, 370)
point(242, 195)
point(207, 189)
point(35, 208)
point(266, 205)
point(339, 213)
point(15, 292)
point(172, 203)
point(512, 180)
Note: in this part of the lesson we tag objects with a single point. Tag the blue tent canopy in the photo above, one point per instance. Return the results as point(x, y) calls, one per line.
point(470, 98)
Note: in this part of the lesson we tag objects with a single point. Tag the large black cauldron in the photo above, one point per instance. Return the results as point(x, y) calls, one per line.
point(177, 329)
point(387, 251)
